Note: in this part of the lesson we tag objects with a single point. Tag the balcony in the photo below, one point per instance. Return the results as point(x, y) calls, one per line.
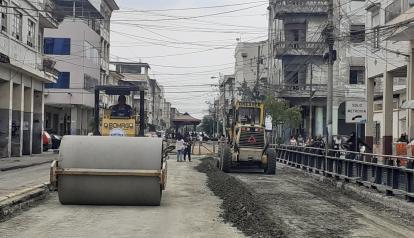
point(298, 48)
point(47, 18)
point(282, 8)
point(49, 67)
point(302, 90)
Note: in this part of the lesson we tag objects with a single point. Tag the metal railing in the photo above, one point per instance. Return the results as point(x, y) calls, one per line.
point(283, 7)
point(299, 47)
point(392, 174)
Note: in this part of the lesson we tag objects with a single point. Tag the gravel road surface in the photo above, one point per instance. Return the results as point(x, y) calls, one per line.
point(188, 209)
point(310, 208)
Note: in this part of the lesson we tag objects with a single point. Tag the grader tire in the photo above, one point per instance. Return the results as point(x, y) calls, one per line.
point(271, 162)
point(226, 160)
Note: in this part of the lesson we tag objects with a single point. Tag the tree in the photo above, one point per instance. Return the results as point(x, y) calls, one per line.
point(207, 124)
point(249, 93)
point(282, 113)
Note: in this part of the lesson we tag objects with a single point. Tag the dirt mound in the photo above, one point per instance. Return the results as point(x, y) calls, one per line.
point(241, 207)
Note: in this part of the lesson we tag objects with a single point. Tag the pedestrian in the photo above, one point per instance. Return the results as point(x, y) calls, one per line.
point(301, 141)
point(293, 141)
point(179, 147)
point(403, 138)
point(187, 150)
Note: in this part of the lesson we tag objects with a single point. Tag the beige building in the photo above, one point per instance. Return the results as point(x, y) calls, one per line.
point(389, 53)
point(298, 67)
point(23, 72)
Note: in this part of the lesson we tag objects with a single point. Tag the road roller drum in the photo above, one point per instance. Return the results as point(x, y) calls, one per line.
point(100, 170)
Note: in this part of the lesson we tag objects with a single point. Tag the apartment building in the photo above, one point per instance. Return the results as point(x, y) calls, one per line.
point(23, 72)
point(389, 71)
point(80, 46)
point(298, 68)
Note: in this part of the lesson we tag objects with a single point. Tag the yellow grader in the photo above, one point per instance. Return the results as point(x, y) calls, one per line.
point(247, 145)
point(116, 166)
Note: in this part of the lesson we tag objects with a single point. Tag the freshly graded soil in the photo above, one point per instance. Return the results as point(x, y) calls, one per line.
point(241, 206)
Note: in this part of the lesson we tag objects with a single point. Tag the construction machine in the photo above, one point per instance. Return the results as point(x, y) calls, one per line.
point(115, 166)
point(246, 144)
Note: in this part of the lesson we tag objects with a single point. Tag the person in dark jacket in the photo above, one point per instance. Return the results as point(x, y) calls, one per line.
point(121, 109)
point(403, 138)
point(355, 143)
point(187, 150)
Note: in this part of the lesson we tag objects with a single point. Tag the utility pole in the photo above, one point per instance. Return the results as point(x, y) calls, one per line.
point(310, 103)
point(257, 72)
point(330, 40)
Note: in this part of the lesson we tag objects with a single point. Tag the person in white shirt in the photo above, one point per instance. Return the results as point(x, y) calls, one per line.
point(179, 147)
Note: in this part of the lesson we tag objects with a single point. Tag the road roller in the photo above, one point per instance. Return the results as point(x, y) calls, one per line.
point(116, 165)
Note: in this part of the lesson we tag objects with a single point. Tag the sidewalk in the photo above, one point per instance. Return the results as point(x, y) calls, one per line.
point(26, 161)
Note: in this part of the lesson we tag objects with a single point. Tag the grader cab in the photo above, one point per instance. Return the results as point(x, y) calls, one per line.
point(247, 144)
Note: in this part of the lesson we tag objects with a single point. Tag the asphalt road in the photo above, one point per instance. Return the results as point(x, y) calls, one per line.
point(310, 208)
point(19, 179)
point(188, 209)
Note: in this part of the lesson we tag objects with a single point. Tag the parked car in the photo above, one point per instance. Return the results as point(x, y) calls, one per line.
point(56, 139)
point(47, 141)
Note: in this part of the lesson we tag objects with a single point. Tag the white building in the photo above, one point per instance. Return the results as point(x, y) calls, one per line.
point(80, 46)
point(298, 71)
point(23, 72)
point(250, 63)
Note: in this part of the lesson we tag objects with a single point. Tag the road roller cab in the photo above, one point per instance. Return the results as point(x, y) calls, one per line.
point(109, 123)
point(115, 166)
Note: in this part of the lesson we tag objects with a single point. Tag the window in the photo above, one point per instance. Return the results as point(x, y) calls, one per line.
point(57, 46)
point(131, 69)
point(393, 10)
point(378, 107)
point(356, 75)
point(357, 33)
point(30, 33)
point(63, 81)
point(375, 17)
point(89, 82)
point(376, 38)
point(91, 53)
point(17, 25)
point(3, 19)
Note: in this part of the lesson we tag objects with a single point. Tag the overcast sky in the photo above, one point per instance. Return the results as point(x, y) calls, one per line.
point(185, 54)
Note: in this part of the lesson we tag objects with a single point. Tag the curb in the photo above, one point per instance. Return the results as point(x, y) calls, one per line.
point(23, 166)
point(21, 200)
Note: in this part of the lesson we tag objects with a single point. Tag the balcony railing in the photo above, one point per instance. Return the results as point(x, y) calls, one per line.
point(314, 7)
point(302, 90)
point(298, 48)
point(49, 67)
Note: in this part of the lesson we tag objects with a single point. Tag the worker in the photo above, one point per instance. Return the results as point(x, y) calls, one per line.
point(121, 109)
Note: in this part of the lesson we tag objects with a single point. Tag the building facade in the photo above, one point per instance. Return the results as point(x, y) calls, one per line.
point(251, 63)
point(23, 72)
point(298, 67)
point(80, 46)
point(389, 71)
